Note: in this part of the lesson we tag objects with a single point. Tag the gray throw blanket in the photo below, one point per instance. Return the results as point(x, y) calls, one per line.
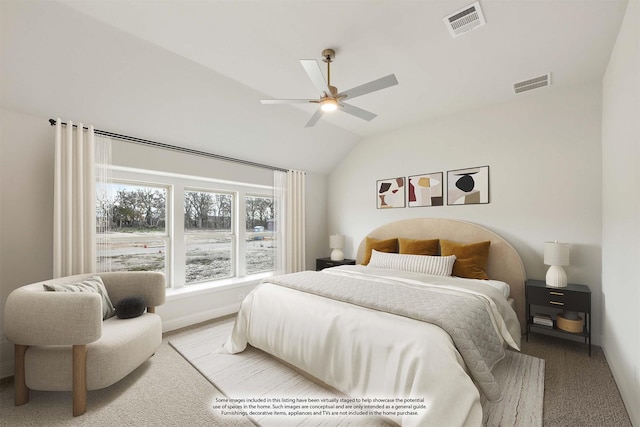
point(465, 319)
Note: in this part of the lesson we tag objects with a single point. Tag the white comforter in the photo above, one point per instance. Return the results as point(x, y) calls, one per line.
point(367, 353)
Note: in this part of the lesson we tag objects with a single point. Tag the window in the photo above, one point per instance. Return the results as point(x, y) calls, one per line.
point(260, 253)
point(135, 215)
point(209, 238)
point(195, 230)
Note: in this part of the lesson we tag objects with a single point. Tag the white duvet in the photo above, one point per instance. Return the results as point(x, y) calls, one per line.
point(367, 353)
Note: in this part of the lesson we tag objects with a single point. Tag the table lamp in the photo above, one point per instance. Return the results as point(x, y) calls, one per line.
point(556, 255)
point(336, 242)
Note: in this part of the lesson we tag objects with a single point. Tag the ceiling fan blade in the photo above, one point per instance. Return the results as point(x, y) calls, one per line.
point(358, 112)
point(287, 101)
point(314, 119)
point(315, 74)
point(372, 86)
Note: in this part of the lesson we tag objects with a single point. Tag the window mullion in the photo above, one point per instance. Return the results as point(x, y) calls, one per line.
point(241, 233)
point(179, 253)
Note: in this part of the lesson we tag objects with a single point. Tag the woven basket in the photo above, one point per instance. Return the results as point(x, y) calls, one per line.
point(568, 325)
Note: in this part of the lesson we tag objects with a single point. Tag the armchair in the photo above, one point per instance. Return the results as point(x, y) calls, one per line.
point(62, 343)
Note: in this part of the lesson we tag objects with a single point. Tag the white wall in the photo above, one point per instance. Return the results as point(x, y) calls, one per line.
point(26, 206)
point(543, 149)
point(26, 225)
point(621, 209)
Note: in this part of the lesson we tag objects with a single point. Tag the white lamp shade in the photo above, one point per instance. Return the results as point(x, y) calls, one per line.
point(336, 241)
point(556, 253)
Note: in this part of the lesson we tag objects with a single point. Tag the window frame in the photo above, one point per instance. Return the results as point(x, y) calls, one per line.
point(175, 264)
point(168, 218)
point(232, 232)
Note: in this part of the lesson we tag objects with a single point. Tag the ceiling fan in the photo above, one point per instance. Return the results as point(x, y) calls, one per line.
point(330, 99)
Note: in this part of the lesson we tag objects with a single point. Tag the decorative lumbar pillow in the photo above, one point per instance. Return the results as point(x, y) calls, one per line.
point(92, 284)
point(389, 245)
point(418, 247)
point(471, 258)
point(128, 308)
point(434, 265)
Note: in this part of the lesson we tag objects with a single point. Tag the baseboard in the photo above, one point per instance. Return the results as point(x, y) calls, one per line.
point(199, 317)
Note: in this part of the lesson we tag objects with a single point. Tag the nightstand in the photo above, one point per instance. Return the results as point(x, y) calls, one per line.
point(322, 263)
point(571, 298)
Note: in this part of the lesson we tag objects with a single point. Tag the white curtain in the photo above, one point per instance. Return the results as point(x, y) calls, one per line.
point(289, 192)
point(104, 179)
point(74, 215)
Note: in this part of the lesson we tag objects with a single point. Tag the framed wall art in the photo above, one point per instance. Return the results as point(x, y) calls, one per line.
point(390, 193)
point(426, 190)
point(468, 186)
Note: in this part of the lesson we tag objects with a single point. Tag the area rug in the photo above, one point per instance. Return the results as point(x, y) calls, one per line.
point(258, 379)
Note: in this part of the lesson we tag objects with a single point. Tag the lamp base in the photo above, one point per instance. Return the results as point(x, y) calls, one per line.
point(337, 255)
point(556, 277)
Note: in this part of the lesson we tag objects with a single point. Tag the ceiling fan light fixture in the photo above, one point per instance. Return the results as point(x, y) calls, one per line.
point(329, 104)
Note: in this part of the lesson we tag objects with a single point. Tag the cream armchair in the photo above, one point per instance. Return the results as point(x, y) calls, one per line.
point(62, 343)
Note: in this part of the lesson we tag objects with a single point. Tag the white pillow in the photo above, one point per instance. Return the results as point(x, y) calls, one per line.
point(434, 265)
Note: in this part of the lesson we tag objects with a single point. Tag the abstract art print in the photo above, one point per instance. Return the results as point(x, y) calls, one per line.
point(426, 190)
point(468, 186)
point(390, 193)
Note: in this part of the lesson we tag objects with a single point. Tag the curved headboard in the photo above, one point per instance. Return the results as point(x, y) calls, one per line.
point(504, 263)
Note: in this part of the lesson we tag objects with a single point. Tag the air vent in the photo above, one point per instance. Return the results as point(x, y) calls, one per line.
point(534, 83)
point(464, 20)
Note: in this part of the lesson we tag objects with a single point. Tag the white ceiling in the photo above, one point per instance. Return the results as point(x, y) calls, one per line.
point(192, 73)
point(259, 43)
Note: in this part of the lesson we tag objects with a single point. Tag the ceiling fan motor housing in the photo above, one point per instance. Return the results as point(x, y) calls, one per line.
point(328, 55)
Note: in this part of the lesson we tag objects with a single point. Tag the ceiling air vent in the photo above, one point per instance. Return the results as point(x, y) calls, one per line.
point(534, 83)
point(465, 19)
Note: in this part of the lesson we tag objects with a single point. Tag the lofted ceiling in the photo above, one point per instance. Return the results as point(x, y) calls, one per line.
point(199, 68)
point(260, 43)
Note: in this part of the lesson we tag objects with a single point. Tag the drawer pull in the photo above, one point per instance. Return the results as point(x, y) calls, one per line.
point(556, 293)
point(556, 303)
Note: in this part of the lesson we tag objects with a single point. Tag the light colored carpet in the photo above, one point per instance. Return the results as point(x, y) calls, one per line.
point(254, 373)
point(167, 390)
point(579, 390)
point(163, 391)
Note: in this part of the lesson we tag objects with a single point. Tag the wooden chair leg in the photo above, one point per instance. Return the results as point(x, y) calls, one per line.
point(151, 309)
point(79, 380)
point(22, 392)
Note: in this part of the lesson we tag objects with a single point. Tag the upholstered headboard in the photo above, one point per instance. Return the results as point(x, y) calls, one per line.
point(504, 263)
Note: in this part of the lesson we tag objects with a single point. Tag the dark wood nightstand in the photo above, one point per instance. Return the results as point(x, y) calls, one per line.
point(322, 263)
point(571, 298)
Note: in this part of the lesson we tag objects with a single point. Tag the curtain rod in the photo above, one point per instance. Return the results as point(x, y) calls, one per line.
point(135, 140)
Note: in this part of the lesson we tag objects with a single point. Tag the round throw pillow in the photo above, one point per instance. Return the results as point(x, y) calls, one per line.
point(128, 308)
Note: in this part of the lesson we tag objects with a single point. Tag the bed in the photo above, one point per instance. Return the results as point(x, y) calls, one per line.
point(382, 331)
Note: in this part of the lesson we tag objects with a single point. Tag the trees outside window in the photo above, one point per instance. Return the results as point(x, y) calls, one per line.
point(135, 217)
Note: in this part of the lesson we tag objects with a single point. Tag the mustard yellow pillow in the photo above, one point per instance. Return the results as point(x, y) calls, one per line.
point(471, 258)
point(389, 245)
point(418, 247)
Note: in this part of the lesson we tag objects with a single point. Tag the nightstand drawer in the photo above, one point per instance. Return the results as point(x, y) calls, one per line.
point(559, 298)
point(322, 263)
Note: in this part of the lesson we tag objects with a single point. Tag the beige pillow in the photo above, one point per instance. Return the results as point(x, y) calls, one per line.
point(389, 245)
point(92, 284)
point(471, 258)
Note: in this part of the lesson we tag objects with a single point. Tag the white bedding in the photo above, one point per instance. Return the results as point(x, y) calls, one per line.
point(368, 353)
